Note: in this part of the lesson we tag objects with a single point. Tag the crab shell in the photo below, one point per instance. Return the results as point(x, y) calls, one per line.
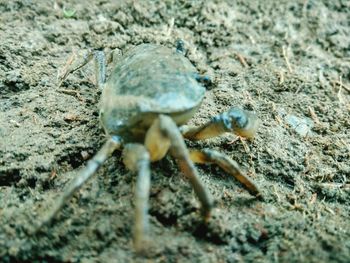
point(147, 81)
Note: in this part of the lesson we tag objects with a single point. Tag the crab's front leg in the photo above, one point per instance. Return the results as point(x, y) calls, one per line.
point(136, 158)
point(78, 60)
point(164, 133)
point(90, 169)
point(208, 156)
point(241, 122)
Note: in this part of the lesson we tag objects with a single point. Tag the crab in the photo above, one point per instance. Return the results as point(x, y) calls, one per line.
point(150, 95)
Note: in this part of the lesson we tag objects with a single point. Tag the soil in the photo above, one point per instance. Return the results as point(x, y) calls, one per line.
point(288, 61)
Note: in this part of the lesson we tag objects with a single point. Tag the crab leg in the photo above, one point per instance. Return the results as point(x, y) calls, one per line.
point(228, 165)
point(136, 158)
point(241, 122)
point(77, 61)
point(90, 169)
point(167, 128)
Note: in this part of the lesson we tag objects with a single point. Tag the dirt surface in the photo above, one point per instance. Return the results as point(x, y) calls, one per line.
point(289, 61)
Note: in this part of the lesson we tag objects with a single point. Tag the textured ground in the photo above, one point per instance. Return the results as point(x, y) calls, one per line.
point(289, 61)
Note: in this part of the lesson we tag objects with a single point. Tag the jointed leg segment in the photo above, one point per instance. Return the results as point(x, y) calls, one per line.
point(90, 169)
point(242, 123)
point(136, 158)
point(79, 61)
point(166, 128)
point(227, 164)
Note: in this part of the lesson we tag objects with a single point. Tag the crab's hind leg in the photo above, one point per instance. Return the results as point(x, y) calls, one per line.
point(241, 122)
point(90, 169)
point(165, 127)
point(77, 61)
point(228, 165)
point(136, 158)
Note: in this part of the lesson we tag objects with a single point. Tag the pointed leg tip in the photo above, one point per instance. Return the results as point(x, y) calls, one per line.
point(207, 218)
point(259, 196)
point(142, 246)
point(206, 215)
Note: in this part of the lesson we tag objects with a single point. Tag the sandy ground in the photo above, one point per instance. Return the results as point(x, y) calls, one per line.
point(289, 61)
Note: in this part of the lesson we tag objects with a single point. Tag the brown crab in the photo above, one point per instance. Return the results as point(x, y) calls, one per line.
point(151, 91)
